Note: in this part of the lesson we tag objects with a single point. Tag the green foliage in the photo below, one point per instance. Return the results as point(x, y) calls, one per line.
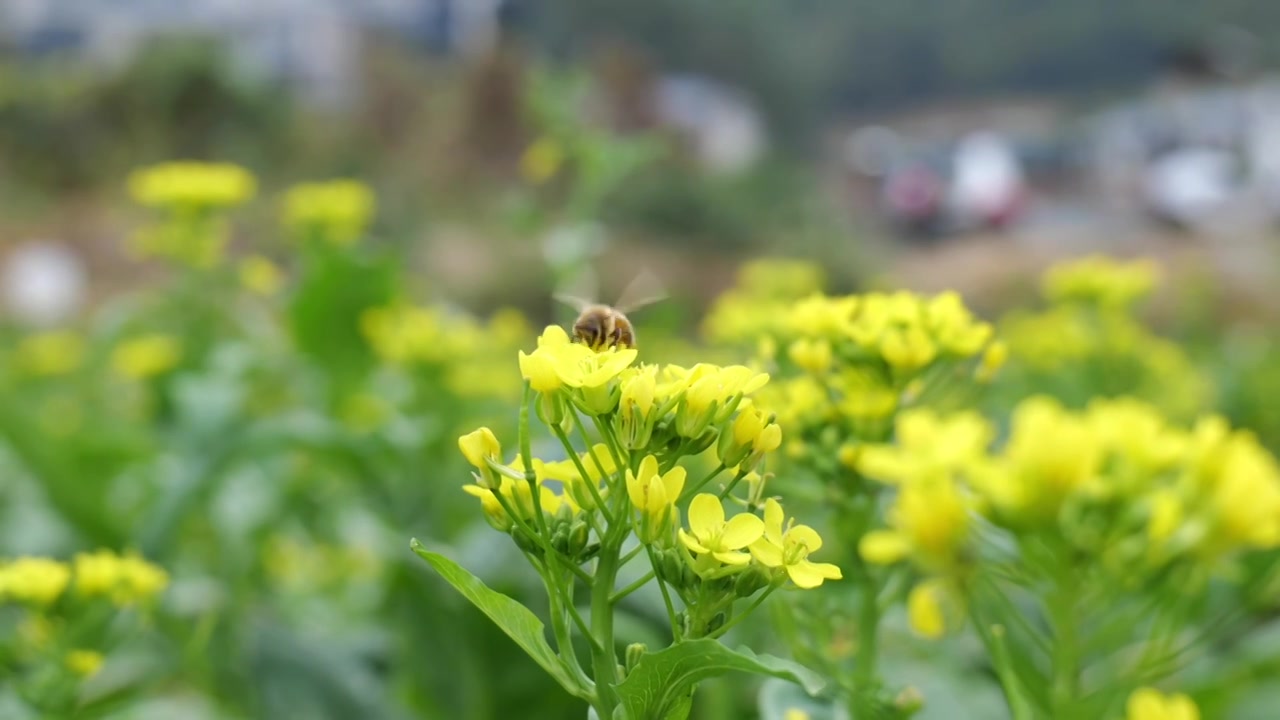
point(661, 684)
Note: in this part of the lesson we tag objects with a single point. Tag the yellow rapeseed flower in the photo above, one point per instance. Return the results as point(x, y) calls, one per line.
point(789, 547)
point(1101, 280)
point(541, 161)
point(710, 535)
point(192, 184)
point(35, 580)
point(146, 356)
point(654, 496)
point(84, 663)
point(51, 353)
point(928, 521)
point(260, 276)
point(1150, 704)
point(925, 611)
point(339, 211)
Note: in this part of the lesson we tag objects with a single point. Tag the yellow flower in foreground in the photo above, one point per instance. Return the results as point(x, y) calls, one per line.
point(1150, 704)
point(655, 496)
point(651, 493)
point(39, 581)
point(709, 534)
point(51, 353)
point(260, 276)
point(146, 356)
point(790, 547)
point(539, 367)
point(84, 663)
point(480, 446)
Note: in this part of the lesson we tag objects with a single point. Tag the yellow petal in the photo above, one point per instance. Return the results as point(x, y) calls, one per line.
point(773, 519)
point(732, 558)
point(767, 553)
point(924, 610)
point(1181, 707)
point(807, 575)
point(1145, 704)
point(706, 515)
point(674, 482)
point(636, 490)
point(742, 530)
point(806, 536)
point(883, 547)
point(691, 542)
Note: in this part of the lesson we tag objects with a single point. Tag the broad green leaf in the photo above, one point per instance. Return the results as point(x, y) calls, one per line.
point(661, 685)
point(516, 620)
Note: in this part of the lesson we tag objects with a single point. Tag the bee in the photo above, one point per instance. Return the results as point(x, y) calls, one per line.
point(600, 326)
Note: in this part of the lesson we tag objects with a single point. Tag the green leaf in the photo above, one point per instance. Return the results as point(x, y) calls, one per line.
point(514, 619)
point(662, 683)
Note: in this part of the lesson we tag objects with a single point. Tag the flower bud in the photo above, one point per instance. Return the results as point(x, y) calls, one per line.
point(750, 580)
point(635, 651)
point(480, 448)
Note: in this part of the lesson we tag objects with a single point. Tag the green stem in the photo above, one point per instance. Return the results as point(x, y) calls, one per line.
point(864, 669)
point(1066, 660)
point(582, 471)
point(738, 617)
point(631, 554)
point(559, 625)
point(644, 580)
point(531, 475)
point(677, 632)
point(693, 489)
point(603, 658)
point(732, 484)
point(1019, 707)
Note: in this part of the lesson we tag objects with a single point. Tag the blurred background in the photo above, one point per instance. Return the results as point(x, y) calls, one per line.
point(515, 147)
point(952, 147)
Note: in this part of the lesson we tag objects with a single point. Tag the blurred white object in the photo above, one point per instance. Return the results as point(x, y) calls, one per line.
point(725, 130)
point(43, 283)
point(987, 188)
point(1190, 184)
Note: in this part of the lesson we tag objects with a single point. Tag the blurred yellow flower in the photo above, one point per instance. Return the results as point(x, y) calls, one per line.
point(192, 184)
point(1101, 280)
point(84, 663)
point(336, 211)
point(35, 580)
point(146, 356)
point(929, 521)
point(1150, 704)
point(541, 161)
point(925, 610)
point(260, 276)
point(126, 579)
point(51, 353)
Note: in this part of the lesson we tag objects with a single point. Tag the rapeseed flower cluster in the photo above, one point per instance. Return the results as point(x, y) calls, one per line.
point(1115, 482)
point(848, 364)
point(41, 582)
point(193, 197)
point(646, 419)
point(1089, 340)
point(466, 352)
point(336, 211)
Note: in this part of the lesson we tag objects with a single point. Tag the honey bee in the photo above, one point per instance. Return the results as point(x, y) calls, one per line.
point(600, 326)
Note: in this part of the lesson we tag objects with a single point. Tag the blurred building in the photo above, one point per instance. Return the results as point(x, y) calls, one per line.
point(313, 44)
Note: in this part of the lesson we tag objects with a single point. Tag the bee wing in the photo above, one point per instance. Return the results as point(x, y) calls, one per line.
point(576, 291)
point(645, 289)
